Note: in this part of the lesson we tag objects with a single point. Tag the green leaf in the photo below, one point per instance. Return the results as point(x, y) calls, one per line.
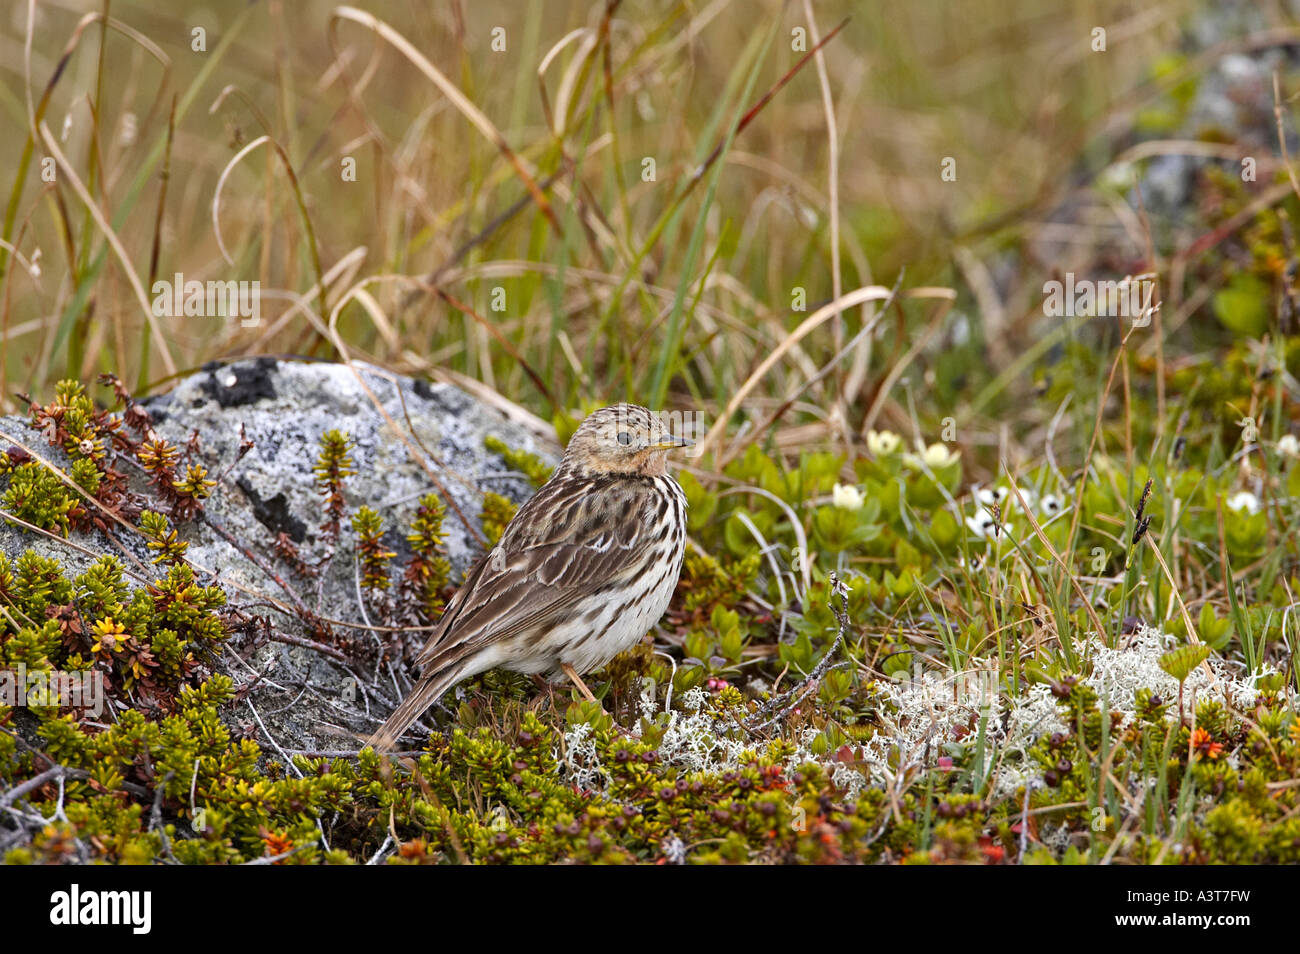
point(944, 529)
point(1244, 305)
point(1180, 662)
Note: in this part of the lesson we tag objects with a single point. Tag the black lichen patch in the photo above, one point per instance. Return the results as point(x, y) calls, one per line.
point(273, 512)
point(423, 389)
point(253, 381)
point(158, 406)
point(451, 402)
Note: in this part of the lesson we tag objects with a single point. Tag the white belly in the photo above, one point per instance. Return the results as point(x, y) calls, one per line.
point(601, 625)
point(599, 630)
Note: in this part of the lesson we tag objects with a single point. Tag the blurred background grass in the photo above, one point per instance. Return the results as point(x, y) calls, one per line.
point(598, 305)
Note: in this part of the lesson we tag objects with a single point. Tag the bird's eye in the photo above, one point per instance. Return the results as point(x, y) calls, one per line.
point(624, 438)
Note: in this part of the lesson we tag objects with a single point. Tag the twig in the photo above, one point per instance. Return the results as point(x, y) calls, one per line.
point(272, 859)
point(777, 707)
point(378, 855)
point(33, 783)
point(307, 615)
point(348, 753)
point(308, 644)
point(270, 738)
point(1024, 828)
point(74, 774)
point(156, 819)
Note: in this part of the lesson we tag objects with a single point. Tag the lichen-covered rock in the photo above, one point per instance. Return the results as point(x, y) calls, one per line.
point(1218, 116)
point(407, 438)
point(284, 407)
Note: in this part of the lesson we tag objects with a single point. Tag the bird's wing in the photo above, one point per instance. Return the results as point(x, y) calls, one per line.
point(572, 538)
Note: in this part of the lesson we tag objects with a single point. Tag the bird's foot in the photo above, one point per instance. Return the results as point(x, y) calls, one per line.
point(545, 691)
point(577, 681)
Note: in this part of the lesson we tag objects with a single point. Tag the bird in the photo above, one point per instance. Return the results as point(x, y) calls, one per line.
point(582, 572)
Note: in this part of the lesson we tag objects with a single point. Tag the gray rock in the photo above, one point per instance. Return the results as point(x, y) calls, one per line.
point(1232, 101)
point(428, 437)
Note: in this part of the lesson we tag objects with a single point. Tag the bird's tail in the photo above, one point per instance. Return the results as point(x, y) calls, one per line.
point(426, 692)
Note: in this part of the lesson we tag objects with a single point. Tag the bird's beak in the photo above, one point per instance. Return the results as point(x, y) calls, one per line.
point(668, 442)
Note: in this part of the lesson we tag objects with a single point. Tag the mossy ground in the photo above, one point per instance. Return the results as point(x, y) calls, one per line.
point(717, 747)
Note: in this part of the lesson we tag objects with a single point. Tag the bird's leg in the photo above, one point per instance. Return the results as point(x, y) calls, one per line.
point(545, 690)
point(577, 681)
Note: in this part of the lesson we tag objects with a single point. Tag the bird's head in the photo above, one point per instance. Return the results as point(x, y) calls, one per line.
point(622, 439)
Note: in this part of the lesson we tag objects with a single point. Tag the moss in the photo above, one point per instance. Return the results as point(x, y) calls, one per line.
point(162, 538)
point(331, 468)
point(474, 796)
point(708, 582)
point(36, 495)
point(149, 639)
point(529, 464)
point(428, 571)
point(497, 512)
point(371, 552)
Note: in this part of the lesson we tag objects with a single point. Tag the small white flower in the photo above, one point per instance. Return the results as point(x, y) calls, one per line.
point(938, 455)
point(1288, 446)
point(1244, 501)
point(1051, 505)
point(933, 457)
point(1117, 176)
point(982, 524)
point(883, 443)
point(847, 497)
point(989, 496)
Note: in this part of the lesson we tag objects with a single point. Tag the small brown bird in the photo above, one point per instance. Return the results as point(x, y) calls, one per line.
point(582, 572)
